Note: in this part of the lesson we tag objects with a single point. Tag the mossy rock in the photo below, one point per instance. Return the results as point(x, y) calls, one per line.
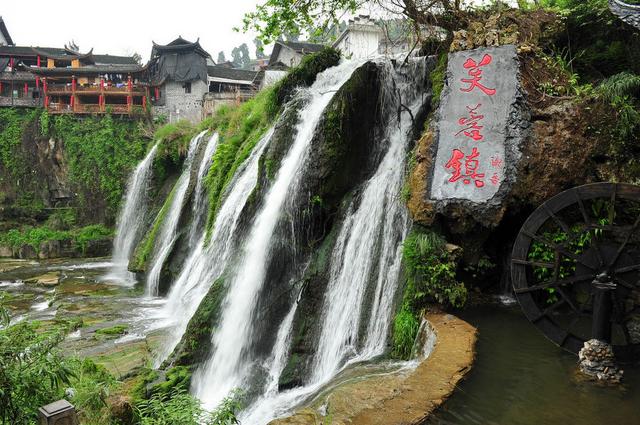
point(195, 344)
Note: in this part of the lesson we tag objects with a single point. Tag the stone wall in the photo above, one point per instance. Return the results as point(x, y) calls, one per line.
point(178, 105)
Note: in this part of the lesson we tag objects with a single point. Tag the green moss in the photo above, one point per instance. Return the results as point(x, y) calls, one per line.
point(305, 73)
point(437, 77)
point(173, 145)
point(113, 330)
point(196, 341)
point(100, 152)
point(144, 250)
point(13, 122)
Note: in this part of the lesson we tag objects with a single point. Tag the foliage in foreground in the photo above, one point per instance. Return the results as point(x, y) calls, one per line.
point(33, 373)
point(431, 277)
point(179, 407)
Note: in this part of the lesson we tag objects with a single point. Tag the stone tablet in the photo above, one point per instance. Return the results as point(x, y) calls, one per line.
point(480, 92)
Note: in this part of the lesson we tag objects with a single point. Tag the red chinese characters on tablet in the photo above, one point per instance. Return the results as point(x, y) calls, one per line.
point(474, 70)
point(467, 173)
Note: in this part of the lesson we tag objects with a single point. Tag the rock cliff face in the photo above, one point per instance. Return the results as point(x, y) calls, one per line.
point(570, 140)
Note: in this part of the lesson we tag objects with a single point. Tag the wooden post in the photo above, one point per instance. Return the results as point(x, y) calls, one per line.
point(73, 93)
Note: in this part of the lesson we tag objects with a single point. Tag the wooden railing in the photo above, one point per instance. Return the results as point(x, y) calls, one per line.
point(113, 90)
point(119, 109)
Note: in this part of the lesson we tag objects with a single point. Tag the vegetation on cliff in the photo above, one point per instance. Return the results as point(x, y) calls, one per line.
point(430, 271)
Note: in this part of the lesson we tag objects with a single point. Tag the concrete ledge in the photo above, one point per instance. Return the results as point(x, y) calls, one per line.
point(405, 398)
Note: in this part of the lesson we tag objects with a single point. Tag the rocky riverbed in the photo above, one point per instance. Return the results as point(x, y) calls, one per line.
point(114, 325)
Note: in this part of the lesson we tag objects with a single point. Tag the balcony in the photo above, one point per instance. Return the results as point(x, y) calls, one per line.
point(20, 102)
point(117, 109)
point(66, 89)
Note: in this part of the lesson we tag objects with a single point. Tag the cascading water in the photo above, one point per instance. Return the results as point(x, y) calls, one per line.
point(168, 234)
point(229, 364)
point(206, 263)
point(130, 221)
point(199, 194)
point(367, 253)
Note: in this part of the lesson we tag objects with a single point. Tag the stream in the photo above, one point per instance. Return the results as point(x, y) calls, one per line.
point(521, 378)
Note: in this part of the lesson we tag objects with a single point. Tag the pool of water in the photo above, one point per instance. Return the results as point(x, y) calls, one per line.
point(520, 378)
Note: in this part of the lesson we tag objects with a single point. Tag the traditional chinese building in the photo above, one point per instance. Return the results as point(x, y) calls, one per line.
point(67, 81)
point(179, 79)
point(84, 83)
point(230, 86)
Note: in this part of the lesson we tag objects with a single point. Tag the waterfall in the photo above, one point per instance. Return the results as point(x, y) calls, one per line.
point(168, 233)
point(366, 259)
point(199, 194)
point(130, 221)
point(230, 362)
point(206, 263)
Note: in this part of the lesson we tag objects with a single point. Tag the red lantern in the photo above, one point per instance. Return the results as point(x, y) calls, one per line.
point(26, 89)
point(38, 61)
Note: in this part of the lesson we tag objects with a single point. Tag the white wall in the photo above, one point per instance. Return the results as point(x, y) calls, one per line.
point(179, 105)
point(272, 76)
point(359, 44)
point(289, 57)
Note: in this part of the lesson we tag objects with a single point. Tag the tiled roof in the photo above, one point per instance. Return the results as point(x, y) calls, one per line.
point(231, 73)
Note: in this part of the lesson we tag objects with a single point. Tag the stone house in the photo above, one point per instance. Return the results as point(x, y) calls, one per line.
point(290, 53)
point(178, 79)
point(229, 86)
point(361, 38)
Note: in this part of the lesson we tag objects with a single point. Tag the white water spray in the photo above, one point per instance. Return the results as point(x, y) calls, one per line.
point(168, 234)
point(130, 221)
point(229, 365)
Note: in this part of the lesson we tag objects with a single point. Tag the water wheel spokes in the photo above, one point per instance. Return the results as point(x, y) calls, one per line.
point(575, 266)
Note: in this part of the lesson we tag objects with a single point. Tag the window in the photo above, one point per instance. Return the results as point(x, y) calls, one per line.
point(187, 87)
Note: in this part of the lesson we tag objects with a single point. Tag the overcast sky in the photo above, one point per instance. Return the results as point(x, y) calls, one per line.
point(127, 27)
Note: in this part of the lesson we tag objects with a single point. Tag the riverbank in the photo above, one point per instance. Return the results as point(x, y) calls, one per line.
point(405, 397)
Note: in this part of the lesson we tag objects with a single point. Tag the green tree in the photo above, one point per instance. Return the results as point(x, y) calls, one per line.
point(221, 57)
point(259, 48)
point(275, 19)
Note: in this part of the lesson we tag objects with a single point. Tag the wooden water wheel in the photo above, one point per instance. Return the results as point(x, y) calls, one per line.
point(575, 267)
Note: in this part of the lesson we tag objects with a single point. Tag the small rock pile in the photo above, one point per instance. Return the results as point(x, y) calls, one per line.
point(597, 362)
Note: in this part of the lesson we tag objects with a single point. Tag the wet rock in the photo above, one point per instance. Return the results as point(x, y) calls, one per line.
point(6, 251)
point(49, 249)
point(27, 252)
point(597, 362)
point(98, 248)
point(47, 279)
